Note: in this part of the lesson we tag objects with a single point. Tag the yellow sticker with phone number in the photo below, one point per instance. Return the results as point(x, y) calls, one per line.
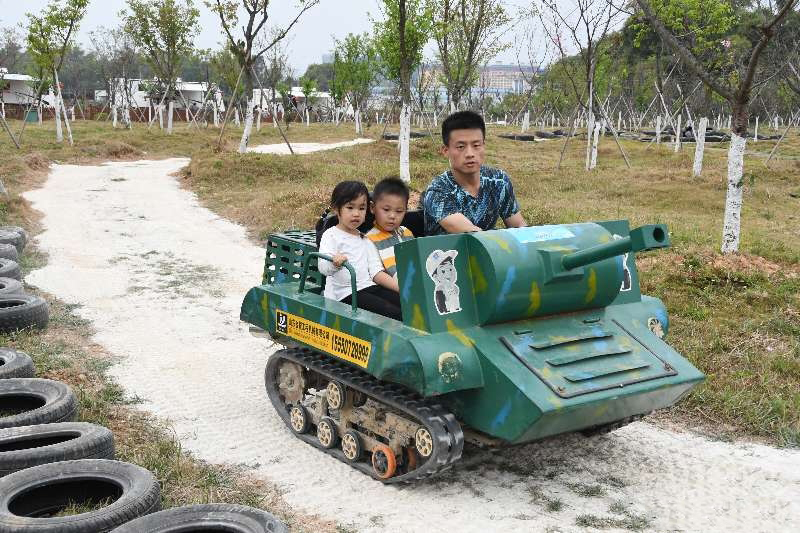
point(341, 345)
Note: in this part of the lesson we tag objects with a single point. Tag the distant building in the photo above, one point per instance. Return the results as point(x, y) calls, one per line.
point(497, 79)
point(17, 89)
point(194, 93)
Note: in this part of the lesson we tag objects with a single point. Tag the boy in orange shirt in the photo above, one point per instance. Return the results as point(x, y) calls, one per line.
point(389, 205)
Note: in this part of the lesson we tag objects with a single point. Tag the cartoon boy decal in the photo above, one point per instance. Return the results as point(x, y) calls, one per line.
point(442, 270)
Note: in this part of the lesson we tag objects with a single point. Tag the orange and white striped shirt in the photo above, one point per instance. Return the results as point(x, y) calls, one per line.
point(384, 241)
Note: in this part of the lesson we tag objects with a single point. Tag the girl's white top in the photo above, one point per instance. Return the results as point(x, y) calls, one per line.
point(360, 252)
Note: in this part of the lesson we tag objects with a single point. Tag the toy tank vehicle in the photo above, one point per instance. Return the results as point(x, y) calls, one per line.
point(508, 336)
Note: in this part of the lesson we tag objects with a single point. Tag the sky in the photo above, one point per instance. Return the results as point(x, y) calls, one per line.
point(312, 36)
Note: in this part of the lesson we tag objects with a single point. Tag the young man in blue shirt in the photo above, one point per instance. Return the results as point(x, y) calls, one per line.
point(469, 196)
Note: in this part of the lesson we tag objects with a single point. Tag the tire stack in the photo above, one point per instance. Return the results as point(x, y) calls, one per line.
point(49, 463)
point(18, 310)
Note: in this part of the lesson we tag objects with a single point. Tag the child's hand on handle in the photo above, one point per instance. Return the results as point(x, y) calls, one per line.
point(338, 260)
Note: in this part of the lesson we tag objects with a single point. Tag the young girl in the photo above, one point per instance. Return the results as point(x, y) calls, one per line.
point(345, 243)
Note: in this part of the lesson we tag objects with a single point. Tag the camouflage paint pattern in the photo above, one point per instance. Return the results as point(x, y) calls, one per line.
point(531, 352)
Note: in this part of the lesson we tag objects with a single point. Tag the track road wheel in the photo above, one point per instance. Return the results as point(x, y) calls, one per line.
point(335, 392)
point(351, 446)
point(326, 433)
point(423, 442)
point(383, 461)
point(298, 418)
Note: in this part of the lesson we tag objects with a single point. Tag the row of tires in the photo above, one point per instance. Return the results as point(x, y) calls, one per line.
point(18, 310)
point(60, 476)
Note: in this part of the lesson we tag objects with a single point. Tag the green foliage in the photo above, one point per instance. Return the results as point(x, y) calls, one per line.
point(322, 73)
point(50, 34)
point(356, 69)
point(467, 34)
point(309, 87)
point(225, 68)
point(398, 62)
point(164, 30)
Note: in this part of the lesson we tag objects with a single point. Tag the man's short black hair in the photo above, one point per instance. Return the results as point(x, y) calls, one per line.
point(462, 120)
point(391, 185)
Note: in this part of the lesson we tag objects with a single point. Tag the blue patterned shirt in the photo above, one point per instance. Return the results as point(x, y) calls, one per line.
point(445, 197)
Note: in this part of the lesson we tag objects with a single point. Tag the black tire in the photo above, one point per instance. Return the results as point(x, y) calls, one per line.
point(20, 311)
point(210, 517)
point(12, 237)
point(10, 287)
point(41, 401)
point(28, 446)
point(10, 269)
point(14, 364)
point(18, 230)
point(30, 496)
point(8, 251)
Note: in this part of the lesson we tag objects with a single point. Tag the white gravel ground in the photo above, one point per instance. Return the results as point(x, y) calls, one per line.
point(162, 279)
point(304, 148)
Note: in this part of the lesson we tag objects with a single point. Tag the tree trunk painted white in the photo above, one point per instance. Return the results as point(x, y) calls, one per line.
point(595, 141)
point(729, 122)
point(658, 129)
point(589, 132)
point(59, 132)
point(358, 121)
point(66, 119)
point(114, 116)
point(258, 119)
point(236, 116)
point(755, 135)
point(274, 115)
point(404, 140)
point(40, 113)
point(733, 200)
point(161, 116)
point(170, 113)
point(452, 107)
point(526, 121)
point(308, 118)
point(700, 141)
point(149, 113)
point(678, 134)
point(216, 115)
point(72, 113)
point(619, 121)
point(248, 127)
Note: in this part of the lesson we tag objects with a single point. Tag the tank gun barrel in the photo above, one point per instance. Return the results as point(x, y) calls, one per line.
point(645, 237)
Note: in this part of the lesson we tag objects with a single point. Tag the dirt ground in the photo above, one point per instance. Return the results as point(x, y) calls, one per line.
point(161, 279)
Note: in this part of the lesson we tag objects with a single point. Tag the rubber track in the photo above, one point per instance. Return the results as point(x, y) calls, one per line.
point(442, 425)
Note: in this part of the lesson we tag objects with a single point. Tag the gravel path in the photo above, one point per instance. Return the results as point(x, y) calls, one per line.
point(305, 148)
point(162, 279)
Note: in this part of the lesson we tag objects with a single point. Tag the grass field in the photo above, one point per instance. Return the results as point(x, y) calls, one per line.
point(736, 317)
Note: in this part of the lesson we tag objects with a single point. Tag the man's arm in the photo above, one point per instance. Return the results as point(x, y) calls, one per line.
point(458, 223)
point(515, 221)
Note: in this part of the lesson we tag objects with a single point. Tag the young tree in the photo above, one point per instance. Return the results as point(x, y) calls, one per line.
point(116, 58)
point(49, 38)
point(399, 39)
point(357, 68)
point(309, 88)
point(249, 49)
point(467, 34)
point(691, 28)
point(586, 23)
point(164, 30)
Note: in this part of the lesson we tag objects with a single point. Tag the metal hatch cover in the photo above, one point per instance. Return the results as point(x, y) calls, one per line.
point(577, 358)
